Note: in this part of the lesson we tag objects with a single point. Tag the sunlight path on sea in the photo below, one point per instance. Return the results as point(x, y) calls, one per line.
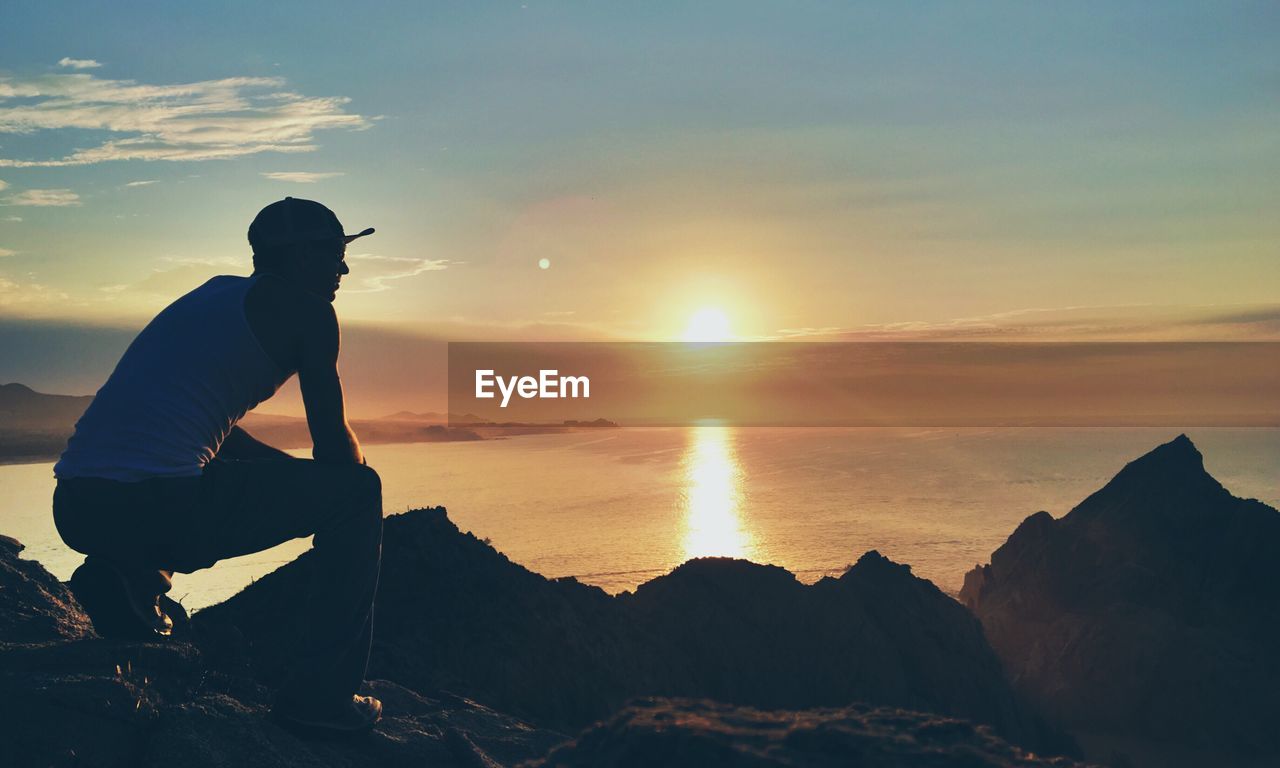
point(712, 495)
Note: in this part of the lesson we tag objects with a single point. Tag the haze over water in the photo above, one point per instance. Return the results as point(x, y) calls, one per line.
point(618, 507)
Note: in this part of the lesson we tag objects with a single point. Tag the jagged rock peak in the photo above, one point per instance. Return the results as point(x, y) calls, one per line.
point(1147, 615)
point(1169, 477)
point(729, 567)
point(872, 563)
point(1178, 454)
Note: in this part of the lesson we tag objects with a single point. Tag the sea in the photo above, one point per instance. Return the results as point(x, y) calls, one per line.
point(617, 507)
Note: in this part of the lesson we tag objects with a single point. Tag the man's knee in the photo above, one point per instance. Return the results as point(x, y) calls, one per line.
point(365, 492)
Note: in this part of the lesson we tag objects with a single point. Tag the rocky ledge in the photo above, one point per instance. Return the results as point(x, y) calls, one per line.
point(69, 698)
point(456, 614)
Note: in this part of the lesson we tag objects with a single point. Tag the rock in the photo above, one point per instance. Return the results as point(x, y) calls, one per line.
point(213, 730)
point(454, 614)
point(1146, 618)
point(35, 606)
point(691, 733)
point(68, 698)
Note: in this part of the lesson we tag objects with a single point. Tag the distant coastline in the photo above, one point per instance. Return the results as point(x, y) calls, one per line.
point(34, 426)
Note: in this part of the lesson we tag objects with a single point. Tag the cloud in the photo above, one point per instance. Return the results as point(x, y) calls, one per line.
point(301, 177)
point(374, 272)
point(171, 283)
point(143, 183)
point(1140, 322)
point(171, 277)
point(43, 198)
point(14, 219)
point(6, 252)
point(14, 294)
point(205, 120)
point(71, 63)
point(3, 183)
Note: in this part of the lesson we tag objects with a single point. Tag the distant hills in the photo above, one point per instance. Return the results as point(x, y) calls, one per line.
point(35, 426)
point(21, 407)
point(431, 417)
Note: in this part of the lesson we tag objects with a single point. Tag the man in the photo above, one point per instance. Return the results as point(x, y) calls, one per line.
point(158, 478)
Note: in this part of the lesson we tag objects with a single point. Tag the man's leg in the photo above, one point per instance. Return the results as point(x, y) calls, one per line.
point(110, 522)
point(249, 506)
point(240, 507)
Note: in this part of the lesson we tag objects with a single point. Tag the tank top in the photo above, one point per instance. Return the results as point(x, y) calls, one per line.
point(180, 387)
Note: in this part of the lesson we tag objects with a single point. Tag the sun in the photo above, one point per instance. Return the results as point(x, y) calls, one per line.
point(708, 324)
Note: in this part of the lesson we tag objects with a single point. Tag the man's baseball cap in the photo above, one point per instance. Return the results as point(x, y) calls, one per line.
point(293, 220)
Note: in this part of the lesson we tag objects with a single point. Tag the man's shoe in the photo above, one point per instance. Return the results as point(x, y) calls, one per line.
point(116, 611)
point(344, 719)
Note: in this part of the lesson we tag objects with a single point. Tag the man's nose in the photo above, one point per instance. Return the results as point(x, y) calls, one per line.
point(343, 269)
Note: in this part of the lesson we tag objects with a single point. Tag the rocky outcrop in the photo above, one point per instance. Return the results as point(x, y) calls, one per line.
point(35, 606)
point(690, 733)
point(455, 614)
point(1146, 619)
point(69, 698)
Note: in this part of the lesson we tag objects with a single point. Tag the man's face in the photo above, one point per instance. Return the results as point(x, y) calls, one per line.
point(321, 267)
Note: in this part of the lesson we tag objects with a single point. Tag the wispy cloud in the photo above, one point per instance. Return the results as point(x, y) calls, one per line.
point(14, 294)
point(208, 261)
point(1138, 322)
point(6, 252)
point(43, 198)
point(3, 183)
point(143, 183)
point(374, 272)
point(171, 276)
point(14, 219)
point(70, 63)
point(206, 120)
point(301, 177)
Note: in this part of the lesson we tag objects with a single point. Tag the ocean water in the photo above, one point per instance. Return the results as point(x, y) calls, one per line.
point(618, 507)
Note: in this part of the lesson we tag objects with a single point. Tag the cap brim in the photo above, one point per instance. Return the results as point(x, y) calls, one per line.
point(362, 233)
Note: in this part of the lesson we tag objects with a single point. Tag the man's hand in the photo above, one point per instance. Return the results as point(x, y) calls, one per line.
point(331, 435)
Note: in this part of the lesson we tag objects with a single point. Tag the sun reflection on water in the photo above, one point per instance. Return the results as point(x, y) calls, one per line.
point(712, 495)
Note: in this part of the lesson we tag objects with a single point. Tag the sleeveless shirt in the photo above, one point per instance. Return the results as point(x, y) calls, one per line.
point(180, 387)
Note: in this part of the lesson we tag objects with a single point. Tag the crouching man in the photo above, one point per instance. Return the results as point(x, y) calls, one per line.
point(158, 478)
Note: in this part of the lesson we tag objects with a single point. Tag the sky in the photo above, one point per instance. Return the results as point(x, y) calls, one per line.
point(806, 170)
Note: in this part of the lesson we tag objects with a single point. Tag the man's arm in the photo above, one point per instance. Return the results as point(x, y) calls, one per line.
point(331, 435)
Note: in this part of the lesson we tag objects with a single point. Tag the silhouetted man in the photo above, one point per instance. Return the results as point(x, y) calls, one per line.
point(158, 478)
